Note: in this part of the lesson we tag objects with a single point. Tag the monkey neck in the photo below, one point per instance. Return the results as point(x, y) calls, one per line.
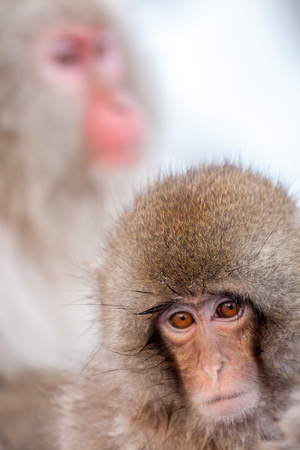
point(166, 411)
point(56, 215)
point(37, 212)
point(151, 417)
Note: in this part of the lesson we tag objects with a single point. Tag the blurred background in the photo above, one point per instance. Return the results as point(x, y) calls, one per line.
point(228, 74)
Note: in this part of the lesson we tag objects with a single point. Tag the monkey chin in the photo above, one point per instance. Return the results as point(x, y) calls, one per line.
point(229, 408)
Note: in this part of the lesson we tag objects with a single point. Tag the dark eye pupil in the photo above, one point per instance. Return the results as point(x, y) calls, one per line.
point(67, 58)
point(102, 45)
point(100, 48)
point(228, 310)
point(66, 52)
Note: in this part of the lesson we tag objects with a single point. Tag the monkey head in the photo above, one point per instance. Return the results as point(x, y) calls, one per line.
point(200, 291)
point(74, 116)
point(70, 93)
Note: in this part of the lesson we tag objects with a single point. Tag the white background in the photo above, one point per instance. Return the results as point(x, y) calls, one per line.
point(229, 75)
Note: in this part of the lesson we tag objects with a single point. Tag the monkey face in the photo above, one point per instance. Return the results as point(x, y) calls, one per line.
point(87, 65)
point(212, 347)
point(70, 86)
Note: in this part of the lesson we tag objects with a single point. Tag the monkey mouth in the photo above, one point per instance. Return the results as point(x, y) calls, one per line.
point(225, 397)
point(229, 406)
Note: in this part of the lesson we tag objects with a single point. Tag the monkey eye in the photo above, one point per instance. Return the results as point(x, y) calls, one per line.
point(67, 52)
point(103, 44)
point(181, 319)
point(108, 56)
point(228, 309)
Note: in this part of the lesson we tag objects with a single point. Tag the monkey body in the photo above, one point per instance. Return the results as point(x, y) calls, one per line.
point(199, 296)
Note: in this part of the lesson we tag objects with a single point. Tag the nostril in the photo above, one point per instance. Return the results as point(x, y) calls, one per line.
point(212, 369)
point(220, 368)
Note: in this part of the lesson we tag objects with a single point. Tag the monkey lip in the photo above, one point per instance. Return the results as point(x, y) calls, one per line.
point(229, 406)
point(225, 397)
point(114, 131)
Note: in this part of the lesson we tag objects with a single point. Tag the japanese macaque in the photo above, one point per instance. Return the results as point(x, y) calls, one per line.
point(199, 293)
point(74, 126)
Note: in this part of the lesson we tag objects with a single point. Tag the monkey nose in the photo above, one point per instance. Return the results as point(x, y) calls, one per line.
point(101, 81)
point(213, 368)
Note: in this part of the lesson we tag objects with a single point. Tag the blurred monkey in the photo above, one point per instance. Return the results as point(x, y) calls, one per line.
point(74, 123)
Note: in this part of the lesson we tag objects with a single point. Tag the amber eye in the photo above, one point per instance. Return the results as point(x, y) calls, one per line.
point(181, 319)
point(227, 310)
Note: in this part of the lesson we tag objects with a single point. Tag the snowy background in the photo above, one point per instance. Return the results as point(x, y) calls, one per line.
point(229, 77)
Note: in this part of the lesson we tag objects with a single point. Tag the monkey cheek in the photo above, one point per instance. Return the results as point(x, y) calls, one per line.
point(114, 132)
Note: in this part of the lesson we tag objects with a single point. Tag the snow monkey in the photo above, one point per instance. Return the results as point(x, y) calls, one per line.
point(74, 126)
point(199, 294)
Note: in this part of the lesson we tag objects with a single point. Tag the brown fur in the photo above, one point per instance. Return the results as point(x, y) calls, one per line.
point(212, 230)
point(27, 410)
point(289, 424)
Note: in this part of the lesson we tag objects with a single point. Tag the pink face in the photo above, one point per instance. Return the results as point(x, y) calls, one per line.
point(212, 345)
point(87, 66)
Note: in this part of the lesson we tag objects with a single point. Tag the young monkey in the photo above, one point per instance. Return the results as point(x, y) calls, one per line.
point(199, 293)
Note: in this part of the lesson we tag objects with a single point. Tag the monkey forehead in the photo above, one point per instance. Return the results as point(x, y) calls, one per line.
point(30, 18)
point(28, 9)
point(209, 224)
